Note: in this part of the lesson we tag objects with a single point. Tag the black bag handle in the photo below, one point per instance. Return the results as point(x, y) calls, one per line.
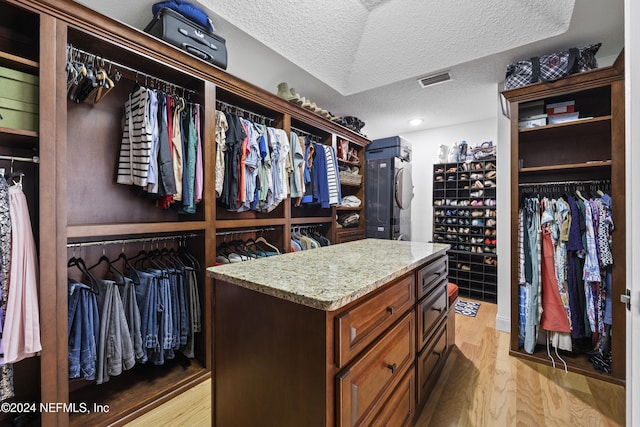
point(574, 54)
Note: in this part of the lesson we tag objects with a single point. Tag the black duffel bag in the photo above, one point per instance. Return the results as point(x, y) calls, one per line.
point(551, 67)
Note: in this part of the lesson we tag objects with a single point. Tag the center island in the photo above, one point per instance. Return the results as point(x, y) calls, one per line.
point(343, 335)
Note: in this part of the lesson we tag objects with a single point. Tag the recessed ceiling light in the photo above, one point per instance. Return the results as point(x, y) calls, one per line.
point(415, 122)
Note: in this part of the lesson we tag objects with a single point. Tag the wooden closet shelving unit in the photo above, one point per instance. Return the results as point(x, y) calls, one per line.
point(590, 148)
point(75, 197)
point(469, 229)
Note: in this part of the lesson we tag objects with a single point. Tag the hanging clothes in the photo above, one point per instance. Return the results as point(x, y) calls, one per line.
point(21, 331)
point(575, 267)
point(253, 173)
point(161, 149)
point(83, 331)
point(133, 163)
point(296, 179)
point(221, 148)
point(6, 370)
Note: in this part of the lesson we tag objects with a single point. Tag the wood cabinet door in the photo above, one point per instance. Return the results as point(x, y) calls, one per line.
point(400, 408)
point(431, 310)
point(363, 387)
point(362, 324)
point(430, 275)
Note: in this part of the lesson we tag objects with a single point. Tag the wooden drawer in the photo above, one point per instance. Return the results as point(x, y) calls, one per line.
point(431, 274)
point(362, 324)
point(344, 236)
point(365, 385)
point(431, 361)
point(431, 310)
point(400, 407)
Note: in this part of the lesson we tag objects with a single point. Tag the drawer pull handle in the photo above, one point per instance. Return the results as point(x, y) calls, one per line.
point(391, 310)
point(437, 353)
point(392, 367)
point(438, 309)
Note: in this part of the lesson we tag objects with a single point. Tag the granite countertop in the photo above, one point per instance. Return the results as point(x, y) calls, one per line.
point(330, 277)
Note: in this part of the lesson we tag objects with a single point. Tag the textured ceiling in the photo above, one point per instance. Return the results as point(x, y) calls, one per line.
point(353, 48)
point(373, 50)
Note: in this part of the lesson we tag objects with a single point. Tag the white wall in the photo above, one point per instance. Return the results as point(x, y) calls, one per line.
point(426, 147)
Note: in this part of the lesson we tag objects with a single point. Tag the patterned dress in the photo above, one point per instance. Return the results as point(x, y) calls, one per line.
point(6, 371)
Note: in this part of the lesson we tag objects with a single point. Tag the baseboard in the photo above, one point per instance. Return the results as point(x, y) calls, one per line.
point(503, 324)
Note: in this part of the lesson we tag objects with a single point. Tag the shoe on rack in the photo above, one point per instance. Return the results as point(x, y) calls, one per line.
point(478, 193)
point(490, 166)
point(477, 222)
point(476, 214)
point(477, 185)
point(491, 222)
point(477, 176)
point(489, 183)
point(491, 174)
point(295, 97)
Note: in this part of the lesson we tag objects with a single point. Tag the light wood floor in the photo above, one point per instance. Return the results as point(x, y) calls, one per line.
point(480, 386)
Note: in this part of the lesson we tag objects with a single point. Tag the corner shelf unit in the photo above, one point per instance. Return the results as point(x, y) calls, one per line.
point(351, 188)
point(589, 149)
point(464, 212)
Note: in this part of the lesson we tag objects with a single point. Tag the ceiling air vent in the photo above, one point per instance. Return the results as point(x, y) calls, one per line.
point(434, 79)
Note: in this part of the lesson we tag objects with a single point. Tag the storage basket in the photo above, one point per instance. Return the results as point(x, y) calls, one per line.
point(350, 178)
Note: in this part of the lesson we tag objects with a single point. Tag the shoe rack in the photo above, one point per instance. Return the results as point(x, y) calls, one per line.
point(464, 216)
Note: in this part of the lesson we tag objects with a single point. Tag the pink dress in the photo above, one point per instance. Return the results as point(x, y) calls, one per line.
point(21, 332)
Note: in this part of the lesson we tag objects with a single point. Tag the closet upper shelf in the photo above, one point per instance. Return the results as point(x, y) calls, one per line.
point(26, 136)
point(577, 122)
point(592, 164)
point(100, 230)
point(18, 63)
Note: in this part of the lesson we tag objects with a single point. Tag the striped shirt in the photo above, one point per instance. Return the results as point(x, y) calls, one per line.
point(135, 148)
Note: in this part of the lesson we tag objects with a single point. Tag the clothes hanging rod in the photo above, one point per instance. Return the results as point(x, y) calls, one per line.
point(222, 104)
point(310, 135)
point(243, 231)
point(125, 241)
point(300, 227)
point(34, 159)
point(93, 57)
point(591, 181)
